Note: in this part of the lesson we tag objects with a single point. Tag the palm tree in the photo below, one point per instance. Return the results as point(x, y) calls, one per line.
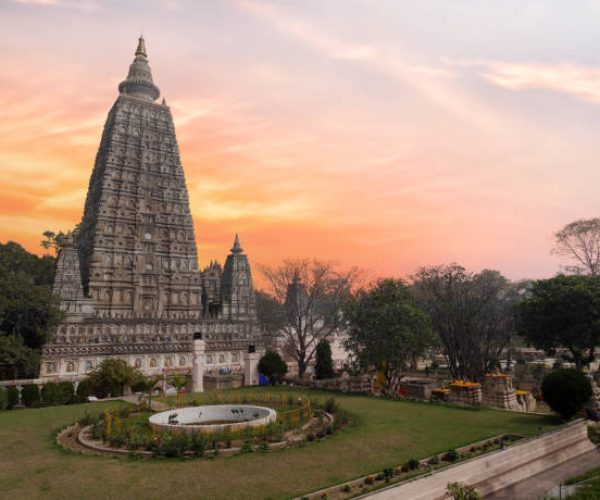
point(148, 386)
point(179, 382)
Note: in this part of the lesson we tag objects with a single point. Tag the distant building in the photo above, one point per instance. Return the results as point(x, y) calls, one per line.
point(128, 278)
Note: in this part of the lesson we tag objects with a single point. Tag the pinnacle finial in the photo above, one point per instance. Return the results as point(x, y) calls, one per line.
point(141, 48)
point(237, 248)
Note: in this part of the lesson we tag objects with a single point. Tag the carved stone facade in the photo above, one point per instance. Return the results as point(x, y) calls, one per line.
point(128, 279)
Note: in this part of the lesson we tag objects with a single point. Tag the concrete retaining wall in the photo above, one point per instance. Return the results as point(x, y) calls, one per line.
point(500, 469)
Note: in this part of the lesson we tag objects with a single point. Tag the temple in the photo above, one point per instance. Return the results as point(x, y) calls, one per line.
point(128, 277)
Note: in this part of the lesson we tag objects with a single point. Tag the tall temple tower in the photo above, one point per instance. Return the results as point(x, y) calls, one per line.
point(128, 278)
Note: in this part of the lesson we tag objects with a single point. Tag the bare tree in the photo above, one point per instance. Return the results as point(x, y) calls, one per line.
point(311, 295)
point(471, 313)
point(579, 241)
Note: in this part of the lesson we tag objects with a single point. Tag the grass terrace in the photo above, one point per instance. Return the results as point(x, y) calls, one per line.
point(383, 433)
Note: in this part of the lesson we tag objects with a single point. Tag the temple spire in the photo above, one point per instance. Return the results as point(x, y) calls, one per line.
point(141, 48)
point(139, 79)
point(237, 248)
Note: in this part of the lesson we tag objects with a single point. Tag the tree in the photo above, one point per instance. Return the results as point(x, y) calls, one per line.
point(386, 330)
point(272, 366)
point(310, 295)
point(28, 310)
point(179, 382)
point(20, 359)
point(324, 363)
point(566, 391)
point(55, 240)
point(147, 386)
point(563, 311)
point(471, 313)
point(112, 376)
point(579, 242)
point(271, 315)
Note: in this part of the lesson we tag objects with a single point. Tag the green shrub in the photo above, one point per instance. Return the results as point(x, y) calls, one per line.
point(433, 460)
point(272, 366)
point(66, 393)
point(3, 398)
point(84, 391)
point(50, 393)
point(413, 464)
point(460, 491)
point(566, 391)
point(388, 474)
point(30, 395)
point(451, 456)
point(90, 418)
point(330, 405)
point(247, 447)
point(323, 361)
point(12, 397)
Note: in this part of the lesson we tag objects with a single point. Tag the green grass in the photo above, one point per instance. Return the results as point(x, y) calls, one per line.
point(384, 433)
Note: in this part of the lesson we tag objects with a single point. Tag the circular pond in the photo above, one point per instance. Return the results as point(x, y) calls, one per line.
point(212, 418)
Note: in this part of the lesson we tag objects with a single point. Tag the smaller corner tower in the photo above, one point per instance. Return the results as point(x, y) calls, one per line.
point(239, 300)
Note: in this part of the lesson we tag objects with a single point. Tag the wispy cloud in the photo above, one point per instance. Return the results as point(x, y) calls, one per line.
point(38, 2)
point(436, 81)
point(582, 82)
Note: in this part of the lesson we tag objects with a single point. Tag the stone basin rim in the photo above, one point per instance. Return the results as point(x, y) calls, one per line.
point(191, 418)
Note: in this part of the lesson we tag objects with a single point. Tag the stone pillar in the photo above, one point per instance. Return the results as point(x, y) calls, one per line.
point(251, 359)
point(198, 348)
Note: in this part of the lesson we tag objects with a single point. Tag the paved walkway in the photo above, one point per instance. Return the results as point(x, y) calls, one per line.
point(523, 471)
point(536, 486)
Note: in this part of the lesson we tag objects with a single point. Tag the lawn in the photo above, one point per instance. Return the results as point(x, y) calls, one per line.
point(384, 433)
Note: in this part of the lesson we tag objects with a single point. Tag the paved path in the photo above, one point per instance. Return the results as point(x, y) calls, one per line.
point(536, 486)
point(522, 471)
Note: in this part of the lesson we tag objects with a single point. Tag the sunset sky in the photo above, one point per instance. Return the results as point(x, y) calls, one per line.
point(383, 134)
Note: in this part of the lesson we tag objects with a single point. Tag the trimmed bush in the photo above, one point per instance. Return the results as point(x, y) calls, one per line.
point(272, 366)
point(12, 397)
point(66, 393)
point(3, 398)
point(324, 363)
point(84, 390)
point(30, 395)
point(50, 394)
point(566, 391)
point(58, 394)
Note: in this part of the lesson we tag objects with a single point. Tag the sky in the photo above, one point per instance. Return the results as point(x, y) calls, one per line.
point(387, 135)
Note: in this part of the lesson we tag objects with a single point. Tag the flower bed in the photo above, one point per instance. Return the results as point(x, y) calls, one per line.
point(127, 432)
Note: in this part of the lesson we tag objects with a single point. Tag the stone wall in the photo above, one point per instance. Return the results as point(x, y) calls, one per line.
point(355, 385)
point(215, 382)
